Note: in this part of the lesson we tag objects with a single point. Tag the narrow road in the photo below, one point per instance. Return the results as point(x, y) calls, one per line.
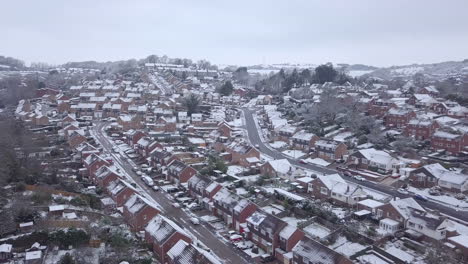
point(226, 252)
point(255, 139)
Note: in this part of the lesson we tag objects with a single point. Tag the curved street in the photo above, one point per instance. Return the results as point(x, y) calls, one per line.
point(255, 139)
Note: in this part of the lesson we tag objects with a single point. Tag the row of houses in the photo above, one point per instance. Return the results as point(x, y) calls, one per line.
point(276, 237)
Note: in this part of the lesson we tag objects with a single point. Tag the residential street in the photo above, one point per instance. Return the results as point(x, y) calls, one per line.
point(255, 139)
point(224, 251)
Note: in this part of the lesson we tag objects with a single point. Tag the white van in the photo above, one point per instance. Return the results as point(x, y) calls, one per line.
point(148, 180)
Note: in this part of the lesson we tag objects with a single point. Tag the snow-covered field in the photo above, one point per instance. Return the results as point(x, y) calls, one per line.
point(408, 70)
point(358, 73)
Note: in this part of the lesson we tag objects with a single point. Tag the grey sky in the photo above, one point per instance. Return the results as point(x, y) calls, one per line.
point(377, 32)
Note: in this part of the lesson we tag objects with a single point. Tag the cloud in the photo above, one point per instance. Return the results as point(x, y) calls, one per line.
point(240, 32)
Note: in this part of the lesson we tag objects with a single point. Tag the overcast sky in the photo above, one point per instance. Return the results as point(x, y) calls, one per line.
point(375, 32)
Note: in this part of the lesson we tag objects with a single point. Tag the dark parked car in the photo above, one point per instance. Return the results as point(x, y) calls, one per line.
point(420, 197)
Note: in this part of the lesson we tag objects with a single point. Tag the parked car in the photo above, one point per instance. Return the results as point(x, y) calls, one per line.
point(402, 191)
point(156, 188)
point(139, 173)
point(359, 178)
point(176, 205)
point(420, 197)
point(148, 180)
point(135, 169)
point(235, 238)
point(194, 220)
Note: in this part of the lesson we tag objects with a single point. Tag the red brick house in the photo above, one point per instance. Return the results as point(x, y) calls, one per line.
point(223, 205)
point(288, 239)
point(461, 243)
point(241, 152)
point(421, 129)
point(336, 188)
point(310, 251)
point(203, 189)
point(159, 158)
point(398, 210)
point(380, 107)
point(105, 175)
point(120, 191)
point(138, 211)
point(163, 234)
point(225, 130)
point(451, 141)
point(93, 162)
point(179, 172)
point(76, 139)
point(398, 118)
point(264, 230)
point(183, 251)
point(165, 124)
point(132, 136)
point(304, 140)
point(426, 176)
point(330, 150)
point(243, 210)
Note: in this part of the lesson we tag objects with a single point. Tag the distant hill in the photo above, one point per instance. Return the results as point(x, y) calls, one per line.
point(10, 64)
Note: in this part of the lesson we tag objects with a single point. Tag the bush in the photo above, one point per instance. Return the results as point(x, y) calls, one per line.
point(20, 187)
point(67, 259)
point(72, 237)
point(41, 198)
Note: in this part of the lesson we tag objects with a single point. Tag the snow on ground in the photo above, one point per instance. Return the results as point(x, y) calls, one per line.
point(372, 259)
point(317, 230)
point(292, 220)
point(278, 144)
point(345, 247)
point(297, 154)
point(272, 210)
point(241, 191)
point(253, 255)
point(265, 157)
point(357, 73)
point(318, 161)
point(447, 200)
point(376, 195)
point(399, 253)
point(340, 212)
point(236, 122)
point(341, 137)
point(234, 170)
point(251, 178)
point(408, 70)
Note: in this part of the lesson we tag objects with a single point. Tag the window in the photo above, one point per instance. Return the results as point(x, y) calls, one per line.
point(323, 190)
point(411, 224)
point(420, 227)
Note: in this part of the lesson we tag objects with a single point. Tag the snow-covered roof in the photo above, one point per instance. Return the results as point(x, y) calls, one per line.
point(161, 228)
point(404, 206)
point(371, 203)
point(281, 166)
point(287, 231)
point(377, 156)
point(460, 239)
